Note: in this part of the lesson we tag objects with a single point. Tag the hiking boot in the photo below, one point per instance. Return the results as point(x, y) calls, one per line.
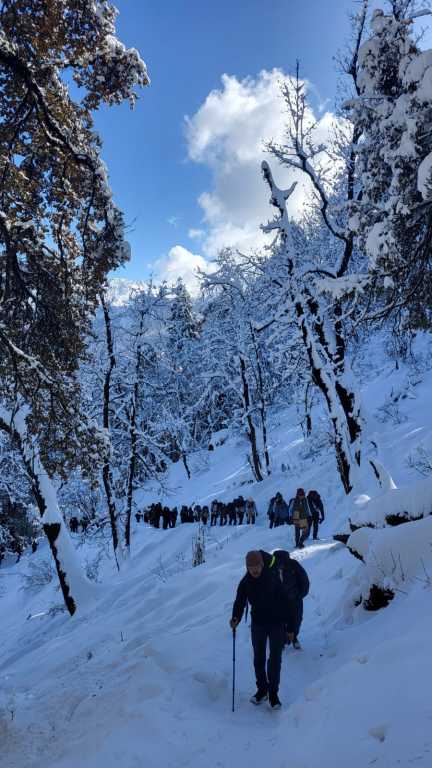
point(296, 644)
point(259, 697)
point(274, 701)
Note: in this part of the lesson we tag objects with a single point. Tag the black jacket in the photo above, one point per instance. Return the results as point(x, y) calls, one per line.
point(266, 594)
point(316, 506)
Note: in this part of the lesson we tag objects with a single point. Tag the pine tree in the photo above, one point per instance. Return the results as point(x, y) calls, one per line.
point(393, 218)
point(60, 234)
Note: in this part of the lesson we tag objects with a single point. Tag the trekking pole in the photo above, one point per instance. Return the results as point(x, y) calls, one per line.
point(233, 684)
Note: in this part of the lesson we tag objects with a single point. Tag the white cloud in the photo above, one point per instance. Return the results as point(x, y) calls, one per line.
point(227, 134)
point(181, 263)
point(196, 234)
point(174, 221)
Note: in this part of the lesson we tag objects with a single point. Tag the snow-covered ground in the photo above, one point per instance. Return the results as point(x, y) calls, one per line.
point(144, 676)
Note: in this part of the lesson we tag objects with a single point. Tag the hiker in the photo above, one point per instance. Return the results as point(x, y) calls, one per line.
point(34, 545)
point(73, 524)
point(223, 513)
point(232, 513)
point(157, 513)
point(251, 512)
point(197, 513)
point(17, 549)
point(296, 583)
point(165, 517)
point(280, 510)
point(264, 590)
point(85, 522)
point(317, 511)
point(184, 514)
point(300, 517)
point(214, 511)
point(270, 512)
point(190, 516)
point(205, 515)
point(173, 518)
point(240, 508)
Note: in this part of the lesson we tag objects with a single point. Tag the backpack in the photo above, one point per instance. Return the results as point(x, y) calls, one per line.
point(280, 510)
point(290, 569)
point(299, 513)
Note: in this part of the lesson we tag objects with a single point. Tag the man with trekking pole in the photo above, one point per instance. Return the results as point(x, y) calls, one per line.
point(270, 614)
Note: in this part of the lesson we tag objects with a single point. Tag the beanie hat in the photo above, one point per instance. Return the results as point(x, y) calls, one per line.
point(300, 492)
point(254, 558)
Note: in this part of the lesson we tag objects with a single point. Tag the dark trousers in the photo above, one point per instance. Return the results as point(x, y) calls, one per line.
point(315, 523)
point(296, 611)
point(301, 535)
point(268, 679)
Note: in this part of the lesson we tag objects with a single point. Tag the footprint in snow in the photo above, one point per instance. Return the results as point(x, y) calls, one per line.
point(361, 658)
point(216, 686)
point(379, 732)
point(313, 693)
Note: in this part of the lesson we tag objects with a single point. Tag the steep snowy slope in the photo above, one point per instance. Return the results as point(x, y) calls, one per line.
point(143, 678)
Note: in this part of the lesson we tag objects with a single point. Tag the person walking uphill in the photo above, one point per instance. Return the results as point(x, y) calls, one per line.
point(264, 590)
point(317, 511)
point(300, 516)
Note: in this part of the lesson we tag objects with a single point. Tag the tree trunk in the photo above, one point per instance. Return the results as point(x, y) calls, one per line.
point(184, 460)
point(131, 474)
point(341, 403)
point(133, 445)
point(73, 583)
point(262, 405)
point(251, 431)
point(106, 470)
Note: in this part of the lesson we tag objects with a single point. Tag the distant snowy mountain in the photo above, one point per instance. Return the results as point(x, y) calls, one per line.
point(120, 290)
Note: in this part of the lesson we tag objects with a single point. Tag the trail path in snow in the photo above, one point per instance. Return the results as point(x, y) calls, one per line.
point(148, 673)
point(144, 679)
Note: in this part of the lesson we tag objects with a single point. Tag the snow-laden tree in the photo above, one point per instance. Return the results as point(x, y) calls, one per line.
point(143, 386)
point(181, 365)
point(393, 112)
point(294, 294)
point(240, 374)
point(60, 235)
point(124, 386)
point(313, 267)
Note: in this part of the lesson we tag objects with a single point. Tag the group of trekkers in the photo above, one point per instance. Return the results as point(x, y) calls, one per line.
point(274, 585)
point(235, 512)
point(75, 524)
point(304, 512)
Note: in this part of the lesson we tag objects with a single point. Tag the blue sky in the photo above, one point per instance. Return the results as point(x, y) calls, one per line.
point(158, 168)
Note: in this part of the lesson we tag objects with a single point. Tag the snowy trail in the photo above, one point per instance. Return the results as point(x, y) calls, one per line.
point(169, 681)
point(145, 677)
